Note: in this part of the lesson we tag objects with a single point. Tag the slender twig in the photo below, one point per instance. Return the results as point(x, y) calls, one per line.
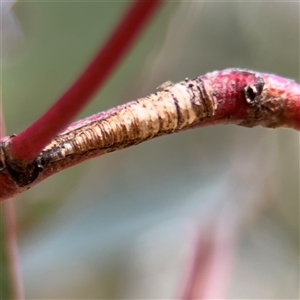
point(208, 267)
point(10, 244)
point(15, 281)
point(28, 144)
point(230, 96)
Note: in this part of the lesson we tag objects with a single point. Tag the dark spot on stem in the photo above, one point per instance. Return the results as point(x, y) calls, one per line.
point(179, 116)
point(253, 92)
point(22, 175)
point(250, 93)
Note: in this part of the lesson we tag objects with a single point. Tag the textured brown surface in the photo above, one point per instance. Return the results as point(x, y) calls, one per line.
point(176, 108)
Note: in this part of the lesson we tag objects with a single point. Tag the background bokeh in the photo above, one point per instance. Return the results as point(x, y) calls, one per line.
point(120, 226)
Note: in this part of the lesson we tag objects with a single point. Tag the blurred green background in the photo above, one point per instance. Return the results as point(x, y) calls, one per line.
point(118, 226)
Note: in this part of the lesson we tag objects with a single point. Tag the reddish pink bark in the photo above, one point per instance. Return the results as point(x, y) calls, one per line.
point(27, 145)
point(281, 110)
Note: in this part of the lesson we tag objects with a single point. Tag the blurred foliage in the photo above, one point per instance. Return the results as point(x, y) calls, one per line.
point(94, 231)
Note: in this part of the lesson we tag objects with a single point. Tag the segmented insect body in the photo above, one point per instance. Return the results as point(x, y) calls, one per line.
point(164, 85)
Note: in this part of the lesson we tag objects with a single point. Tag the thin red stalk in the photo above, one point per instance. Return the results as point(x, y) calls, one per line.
point(28, 144)
point(16, 288)
point(10, 244)
point(208, 266)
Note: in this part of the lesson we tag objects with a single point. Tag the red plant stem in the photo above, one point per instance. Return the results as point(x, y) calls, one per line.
point(280, 108)
point(231, 96)
point(28, 144)
point(15, 282)
point(208, 265)
point(10, 244)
